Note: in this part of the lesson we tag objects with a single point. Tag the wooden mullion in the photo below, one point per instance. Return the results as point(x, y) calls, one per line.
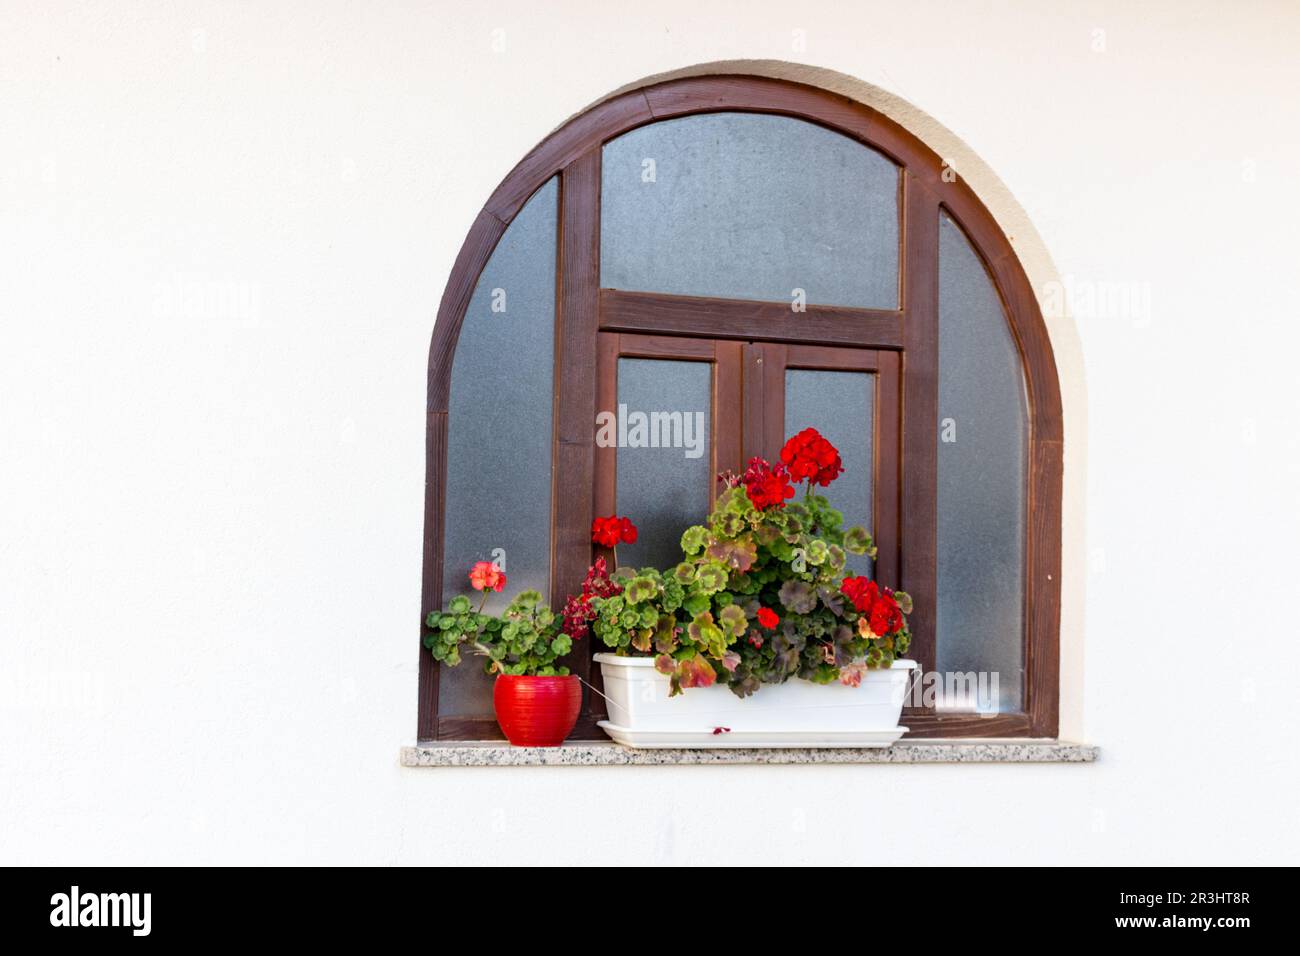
point(608, 350)
point(728, 414)
point(1043, 587)
point(886, 467)
point(919, 444)
point(576, 388)
point(431, 588)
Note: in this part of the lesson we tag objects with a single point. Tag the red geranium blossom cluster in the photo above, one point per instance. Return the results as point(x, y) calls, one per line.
point(486, 576)
point(610, 532)
point(877, 605)
point(578, 612)
point(810, 457)
point(767, 485)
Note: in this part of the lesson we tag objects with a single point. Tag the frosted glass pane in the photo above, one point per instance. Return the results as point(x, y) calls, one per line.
point(749, 206)
point(840, 406)
point(499, 431)
point(982, 454)
point(664, 490)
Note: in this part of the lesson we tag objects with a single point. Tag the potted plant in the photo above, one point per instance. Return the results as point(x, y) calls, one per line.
point(536, 701)
point(760, 606)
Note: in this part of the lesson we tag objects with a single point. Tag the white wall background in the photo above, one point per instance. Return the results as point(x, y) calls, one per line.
point(224, 231)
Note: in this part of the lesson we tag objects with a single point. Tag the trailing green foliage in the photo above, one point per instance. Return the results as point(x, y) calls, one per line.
point(523, 639)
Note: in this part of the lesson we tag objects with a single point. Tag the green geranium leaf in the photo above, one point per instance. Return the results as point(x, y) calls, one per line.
point(835, 558)
point(693, 539)
point(641, 638)
point(739, 554)
point(696, 604)
point(732, 525)
point(665, 637)
point(672, 596)
point(696, 672)
point(857, 540)
point(711, 578)
point(640, 589)
point(733, 620)
point(798, 596)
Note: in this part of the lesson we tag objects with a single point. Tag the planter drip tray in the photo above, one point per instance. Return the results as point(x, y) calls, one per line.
point(606, 753)
point(725, 737)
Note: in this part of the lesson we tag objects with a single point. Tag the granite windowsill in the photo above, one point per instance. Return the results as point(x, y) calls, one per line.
point(606, 753)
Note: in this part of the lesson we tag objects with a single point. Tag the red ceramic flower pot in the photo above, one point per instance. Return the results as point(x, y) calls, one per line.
point(537, 711)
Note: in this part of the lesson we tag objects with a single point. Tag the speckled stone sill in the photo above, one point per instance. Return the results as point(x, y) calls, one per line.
point(606, 753)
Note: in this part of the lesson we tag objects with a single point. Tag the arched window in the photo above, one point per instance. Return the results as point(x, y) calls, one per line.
point(747, 257)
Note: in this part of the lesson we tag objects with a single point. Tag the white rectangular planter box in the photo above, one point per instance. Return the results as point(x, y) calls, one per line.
point(797, 713)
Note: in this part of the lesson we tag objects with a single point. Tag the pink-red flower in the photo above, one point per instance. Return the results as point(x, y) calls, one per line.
point(611, 531)
point(578, 612)
point(767, 618)
point(810, 457)
point(486, 576)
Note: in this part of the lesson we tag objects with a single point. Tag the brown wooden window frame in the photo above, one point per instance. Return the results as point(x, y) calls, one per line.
point(746, 339)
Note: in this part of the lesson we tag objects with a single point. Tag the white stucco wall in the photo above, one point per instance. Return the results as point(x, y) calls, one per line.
point(224, 231)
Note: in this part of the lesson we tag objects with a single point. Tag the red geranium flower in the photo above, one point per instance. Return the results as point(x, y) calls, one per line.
point(604, 532)
point(486, 576)
point(608, 532)
point(862, 592)
point(769, 491)
point(878, 606)
point(879, 618)
point(768, 486)
point(767, 618)
point(811, 457)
